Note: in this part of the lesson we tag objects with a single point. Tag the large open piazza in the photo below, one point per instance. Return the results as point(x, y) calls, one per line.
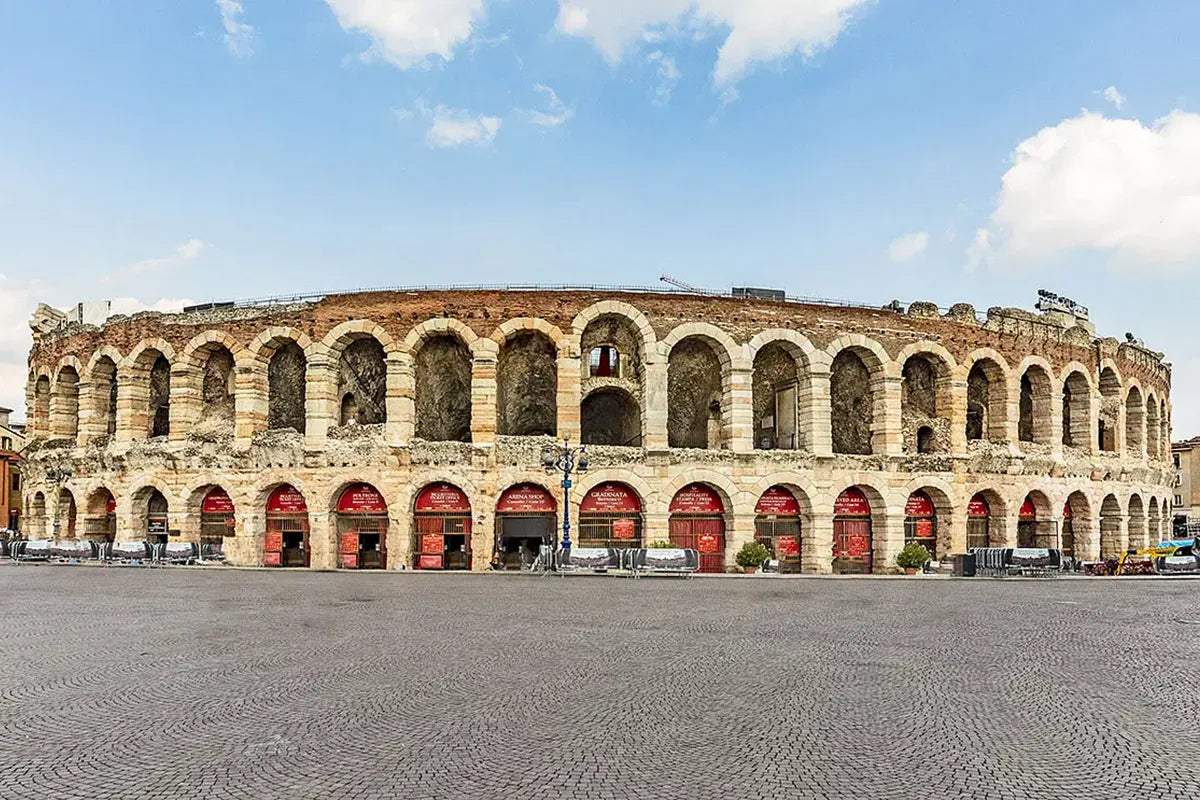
point(217, 683)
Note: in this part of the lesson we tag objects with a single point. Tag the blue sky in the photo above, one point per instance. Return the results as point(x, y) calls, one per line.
point(868, 150)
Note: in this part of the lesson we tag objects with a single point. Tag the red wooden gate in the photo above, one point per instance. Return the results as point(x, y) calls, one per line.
point(852, 543)
point(698, 522)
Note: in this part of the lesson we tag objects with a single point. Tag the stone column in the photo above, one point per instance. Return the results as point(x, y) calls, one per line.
point(186, 401)
point(1047, 428)
point(655, 526)
point(951, 530)
point(483, 538)
point(886, 433)
point(320, 400)
point(322, 540)
point(484, 353)
point(654, 403)
point(398, 400)
point(738, 393)
point(956, 395)
point(887, 539)
point(816, 544)
point(814, 413)
point(251, 400)
point(1114, 535)
point(1002, 529)
point(739, 530)
point(133, 415)
point(570, 394)
point(92, 423)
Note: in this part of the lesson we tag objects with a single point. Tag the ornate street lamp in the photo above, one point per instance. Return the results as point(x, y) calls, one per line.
point(565, 459)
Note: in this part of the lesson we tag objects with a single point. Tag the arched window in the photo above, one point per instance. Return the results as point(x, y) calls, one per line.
point(695, 395)
point(604, 362)
point(851, 400)
point(286, 388)
point(610, 416)
point(527, 386)
point(442, 372)
point(776, 389)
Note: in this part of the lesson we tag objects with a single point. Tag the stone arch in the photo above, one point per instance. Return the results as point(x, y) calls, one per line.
point(1137, 536)
point(1112, 528)
point(727, 351)
point(647, 494)
point(99, 514)
point(610, 415)
point(945, 511)
point(347, 333)
point(287, 386)
point(1109, 424)
point(64, 401)
point(264, 345)
point(698, 397)
point(1153, 428)
point(149, 499)
point(437, 327)
point(1077, 423)
point(98, 402)
point(527, 380)
point(1035, 417)
point(66, 515)
point(36, 515)
point(1153, 523)
point(617, 308)
point(361, 372)
point(781, 389)
point(857, 394)
point(204, 378)
point(147, 372)
point(1079, 535)
point(525, 325)
point(799, 484)
point(196, 351)
point(1135, 422)
point(926, 371)
point(881, 512)
point(613, 355)
point(442, 371)
point(40, 412)
point(987, 375)
point(997, 532)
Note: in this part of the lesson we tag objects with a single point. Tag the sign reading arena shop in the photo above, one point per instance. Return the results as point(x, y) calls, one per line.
point(286, 499)
point(777, 501)
point(696, 498)
point(611, 498)
point(216, 502)
point(443, 498)
point(361, 498)
point(526, 498)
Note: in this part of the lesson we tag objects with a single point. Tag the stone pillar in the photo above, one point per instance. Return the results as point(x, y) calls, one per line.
point(1093, 425)
point(251, 402)
point(1048, 428)
point(739, 530)
point(133, 400)
point(322, 539)
point(399, 539)
point(815, 415)
point(398, 400)
point(484, 354)
point(186, 400)
point(816, 544)
point(951, 529)
point(1119, 439)
point(92, 422)
point(654, 403)
point(483, 537)
point(738, 392)
point(1114, 535)
point(956, 396)
point(886, 433)
point(1002, 529)
point(320, 400)
point(64, 411)
point(1087, 538)
point(655, 526)
point(887, 539)
point(570, 395)
point(188, 525)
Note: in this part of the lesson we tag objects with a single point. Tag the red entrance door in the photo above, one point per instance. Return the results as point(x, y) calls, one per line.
point(852, 533)
point(698, 522)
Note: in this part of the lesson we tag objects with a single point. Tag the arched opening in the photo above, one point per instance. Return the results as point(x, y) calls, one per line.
point(776, 387)
point(1067, 540)
point(1154, 526)
point(1110, 410)
point(442, 373)
point(100, 522)
point(1164, 439)
point(610, 516)
point(920, 523)
point(1135, 423)
point(1035, 528)
point(986, 402)
point(159, 408)
point(41, 406)
point(1076, 412)
point(604, 361)
point(922, 380)
point(610, 416)
point(65, 525)
point(1137, 524)
point(853, 542)
point(216, 391)
point(777, 527)
point(37, 516)
point(442, 528)
point(527, 386)
point(851, 404)
point(216, 522)
point(1153, 431)
point(286, 541)
point(65, 404)
point(362, 524)
point(979, 517)
point(526, 517)
point(1112, 542)
point(101, 400)
point(157, 526)
point(287, 387)
point(697, 522)
point(695, 396)
point(1077, 531)
point(362, 383)
point(1034, 422)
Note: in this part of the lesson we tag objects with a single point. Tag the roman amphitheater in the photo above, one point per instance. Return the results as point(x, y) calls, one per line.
point(406, 429)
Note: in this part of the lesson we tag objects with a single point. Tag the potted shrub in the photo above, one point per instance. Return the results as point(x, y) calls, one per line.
point(660, 544)
point(912, 558)
point(751, 557)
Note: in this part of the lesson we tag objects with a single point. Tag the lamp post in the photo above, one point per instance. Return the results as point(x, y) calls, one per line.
point(565, 459)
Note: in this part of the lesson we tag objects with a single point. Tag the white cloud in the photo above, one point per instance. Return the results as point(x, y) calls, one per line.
point(1112, 185)
point(754, 31)
point(452, 127)
point(1115, 97)
point(239, 36)
point(17, 301)
point(185, 253)
point(407, 33)
point(556, 113)
point(668, 76)
point(908, 246)
point(980, 249)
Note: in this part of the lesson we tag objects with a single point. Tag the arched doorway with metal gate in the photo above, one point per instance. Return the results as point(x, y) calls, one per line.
point(920, 522)
point(1035, 528)
point(100, 523)
point(216, 522)
point(610, 516)
point(979, 518)
point(157, 527)
point(852, 536)
point(442, 528)
point(698, 522)
point(1027, 524)
point(777, 527)
point(286, 541)
point(362, 524)
point(526, 518)
point(1067, 543)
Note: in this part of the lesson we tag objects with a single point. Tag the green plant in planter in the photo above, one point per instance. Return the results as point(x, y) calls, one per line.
point(660, 544)
point(913, 556)
point(752, 554)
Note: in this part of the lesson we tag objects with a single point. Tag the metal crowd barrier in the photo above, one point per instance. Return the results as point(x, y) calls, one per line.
point(663, 561)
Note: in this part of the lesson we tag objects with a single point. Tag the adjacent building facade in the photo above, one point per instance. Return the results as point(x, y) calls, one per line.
point(12, 439)
point(406, 429)
point(1186, 512)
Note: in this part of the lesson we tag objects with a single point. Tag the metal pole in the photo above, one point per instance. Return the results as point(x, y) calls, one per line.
point(566, 485)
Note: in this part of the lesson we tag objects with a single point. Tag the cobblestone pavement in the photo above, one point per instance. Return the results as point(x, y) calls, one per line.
point(123, 683)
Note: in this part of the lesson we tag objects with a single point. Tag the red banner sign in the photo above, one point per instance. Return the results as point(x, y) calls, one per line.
point(286, 500)
point(427, 561)
point(708, 543)
point(918, 505)
point(349, 560)
point(978, 507)
point(361, 498)
point(778, 501)
point(348, 543)
point(851, 503)
point(273, 542)
point(271, 559)
point(1067, 510)
point(111, 506)
point(1027, 509)
point(444, 498)
point(216, 502)
point(787, 547)
point(624, 529)
point(526, 498)
point(924, 528)
point(857, 545)
point(611, 498)
point(433, 543)
point(697, 498)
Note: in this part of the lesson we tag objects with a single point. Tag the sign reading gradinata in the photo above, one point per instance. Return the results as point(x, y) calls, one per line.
point(611, 498)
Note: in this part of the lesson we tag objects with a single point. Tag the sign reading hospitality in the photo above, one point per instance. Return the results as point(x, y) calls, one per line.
point(624, 529)
point(216, 502)
point(526, 498)
point(286, 500)
point(443, 498)
point(696, 498)
point(851, 503)
point(787, 547)
point(361, 498)
point(611, 498)
point(779, 502)
point(918, 505)
point(978, 507)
